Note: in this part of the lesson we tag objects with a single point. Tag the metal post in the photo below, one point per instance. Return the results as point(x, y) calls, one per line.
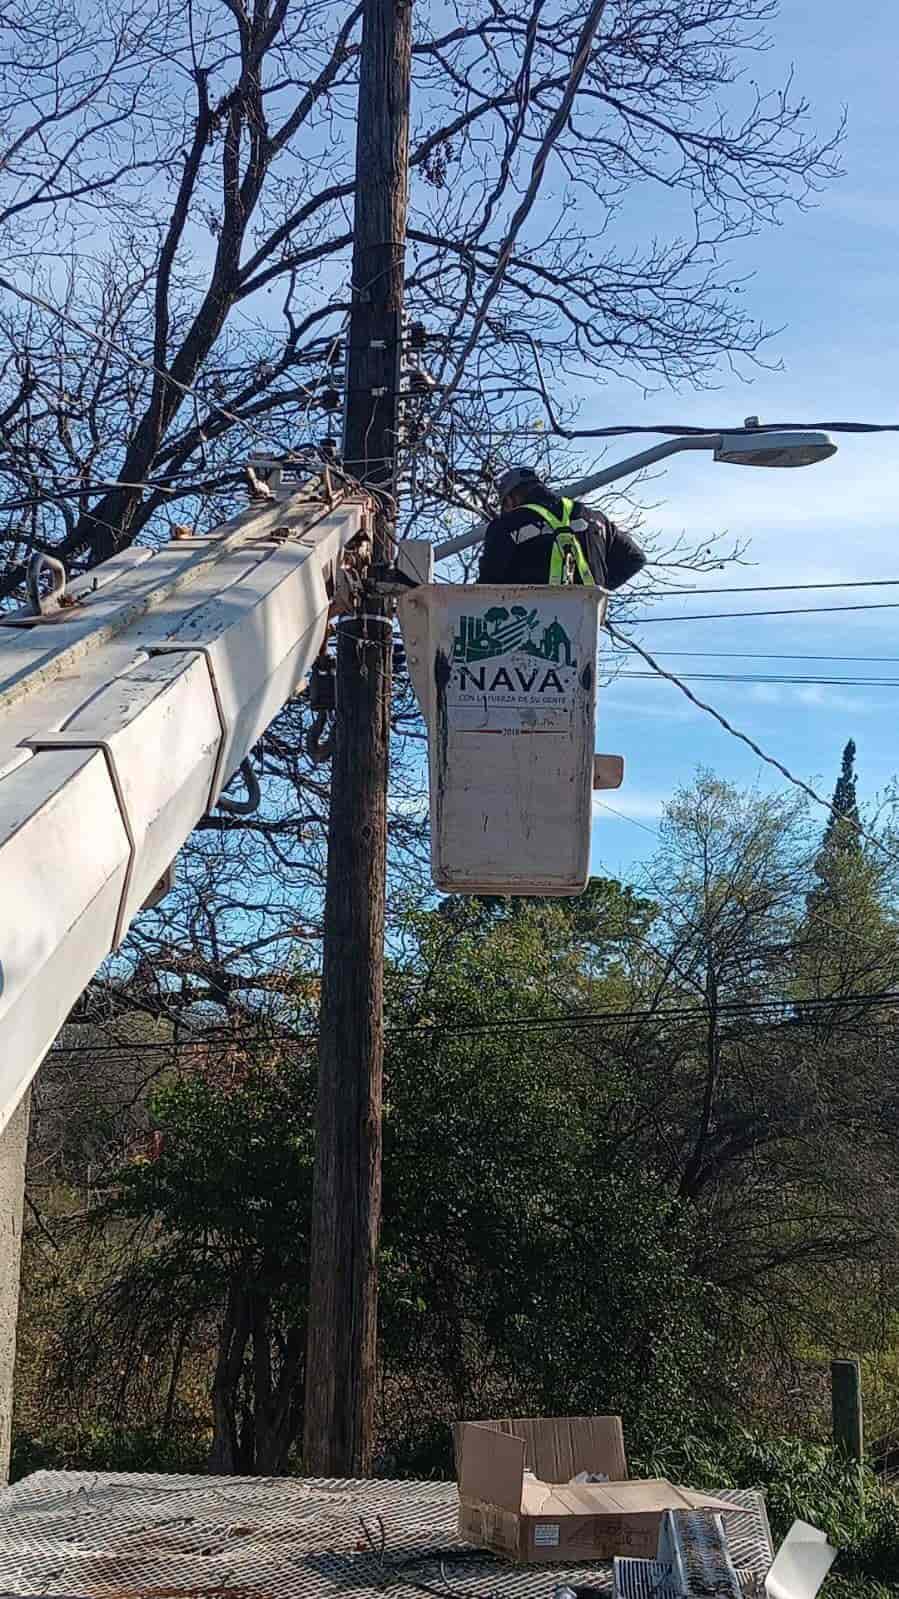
point(13, 1150)
point(846, 1399)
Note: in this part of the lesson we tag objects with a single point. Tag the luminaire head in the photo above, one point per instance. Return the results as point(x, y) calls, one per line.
point(756, 447)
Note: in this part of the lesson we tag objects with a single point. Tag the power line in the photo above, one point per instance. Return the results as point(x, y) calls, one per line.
point(623, 816)
point(779, 678)
point(726, 1008)
point(150, 367)
point(188, 389)
point(730, 616)
point(195, 487)
point(790, 588)
point(749, 655)
point(735, 732)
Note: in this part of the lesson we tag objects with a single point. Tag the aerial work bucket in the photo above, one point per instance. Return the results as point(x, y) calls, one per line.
point(506, 681)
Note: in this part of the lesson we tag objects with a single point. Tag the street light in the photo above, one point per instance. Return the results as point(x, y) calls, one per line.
point(749, 446)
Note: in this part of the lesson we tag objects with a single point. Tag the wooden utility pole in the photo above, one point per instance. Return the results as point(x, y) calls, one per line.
point(341, 1361)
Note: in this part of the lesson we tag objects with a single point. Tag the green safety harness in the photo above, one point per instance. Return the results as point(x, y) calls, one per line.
point(568, 563)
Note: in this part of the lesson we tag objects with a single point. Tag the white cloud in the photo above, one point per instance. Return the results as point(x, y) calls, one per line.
point(812, 696)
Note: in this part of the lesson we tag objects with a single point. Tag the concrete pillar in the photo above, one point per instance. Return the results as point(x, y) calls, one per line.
point(13, 1150)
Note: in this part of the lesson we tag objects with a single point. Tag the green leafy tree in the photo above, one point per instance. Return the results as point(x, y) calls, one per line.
point(844, 821)
point(532, 1265)
point(222, 1201)
point(841, 854)
point(849, 940)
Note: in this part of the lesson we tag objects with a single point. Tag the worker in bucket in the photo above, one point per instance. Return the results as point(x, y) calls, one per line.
point(541, 537)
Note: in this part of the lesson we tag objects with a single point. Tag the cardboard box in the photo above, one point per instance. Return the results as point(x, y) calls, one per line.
point(547, 1516)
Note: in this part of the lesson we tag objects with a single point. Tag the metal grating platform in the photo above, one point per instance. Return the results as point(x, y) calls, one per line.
point(116, 1536)
point(648, 1579)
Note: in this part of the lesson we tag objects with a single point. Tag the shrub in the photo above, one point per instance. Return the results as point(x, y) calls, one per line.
point(101, 1447)
point(801, 1481)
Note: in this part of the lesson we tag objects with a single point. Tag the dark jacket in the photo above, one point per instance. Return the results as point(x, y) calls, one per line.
point(612, 555)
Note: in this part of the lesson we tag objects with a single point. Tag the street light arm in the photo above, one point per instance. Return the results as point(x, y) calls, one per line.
point(587, 485)
point(636, 463)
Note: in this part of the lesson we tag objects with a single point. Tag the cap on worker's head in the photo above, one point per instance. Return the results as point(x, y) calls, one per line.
point(517, 477)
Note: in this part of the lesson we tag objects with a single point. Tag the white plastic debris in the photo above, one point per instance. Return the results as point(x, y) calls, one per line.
point(801, 1564)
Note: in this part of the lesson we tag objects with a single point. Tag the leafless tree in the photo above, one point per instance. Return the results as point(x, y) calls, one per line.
point(80, 130)
point(230, 281)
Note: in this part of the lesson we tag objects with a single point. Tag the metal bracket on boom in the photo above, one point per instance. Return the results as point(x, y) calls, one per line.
point(243, 807)
point(264, 477)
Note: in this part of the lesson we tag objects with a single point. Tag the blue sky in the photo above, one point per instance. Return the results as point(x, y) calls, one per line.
point(829, 276)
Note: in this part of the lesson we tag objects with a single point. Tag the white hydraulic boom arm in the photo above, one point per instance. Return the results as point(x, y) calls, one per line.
point(122, 718)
